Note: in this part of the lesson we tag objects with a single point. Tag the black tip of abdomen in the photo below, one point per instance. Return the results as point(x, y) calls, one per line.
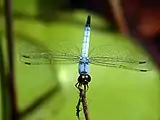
point(88, 22)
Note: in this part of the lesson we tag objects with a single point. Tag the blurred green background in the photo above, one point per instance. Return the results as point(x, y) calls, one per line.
point(47, 92)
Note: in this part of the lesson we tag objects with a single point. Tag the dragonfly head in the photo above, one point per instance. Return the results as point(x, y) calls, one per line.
point(84, 78)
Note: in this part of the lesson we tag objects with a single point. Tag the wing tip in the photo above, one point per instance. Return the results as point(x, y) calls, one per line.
point(27, 63)
point(144, 70)
point(25, 56)
point(142, 62)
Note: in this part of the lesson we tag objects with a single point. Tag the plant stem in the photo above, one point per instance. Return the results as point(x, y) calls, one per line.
point(10, 47)
point(85, 106)
point(82, 99)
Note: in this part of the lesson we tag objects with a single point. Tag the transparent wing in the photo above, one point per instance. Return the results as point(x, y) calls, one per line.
point(62, 53)
point(119, 57)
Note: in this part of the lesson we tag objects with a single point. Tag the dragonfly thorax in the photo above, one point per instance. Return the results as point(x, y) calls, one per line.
point(84, 65)
point(84, 60)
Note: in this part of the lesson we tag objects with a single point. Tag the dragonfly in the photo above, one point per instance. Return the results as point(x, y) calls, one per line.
point(111, 58)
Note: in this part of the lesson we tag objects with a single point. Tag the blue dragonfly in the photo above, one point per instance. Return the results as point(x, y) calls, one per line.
point(111, 58)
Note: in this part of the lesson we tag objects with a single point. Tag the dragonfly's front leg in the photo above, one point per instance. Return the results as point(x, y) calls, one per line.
point(78, 85)
point(86, 88)
point(78, 109)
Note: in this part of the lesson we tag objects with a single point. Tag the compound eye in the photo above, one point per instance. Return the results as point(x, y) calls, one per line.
point(88, 78)
point(83, 76)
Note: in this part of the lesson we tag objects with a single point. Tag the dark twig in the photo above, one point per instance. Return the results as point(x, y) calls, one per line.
point(119, 16)
point(10, 46)
point(85, 106)
point(38, 102)
point(4, 95)
point(82, 99)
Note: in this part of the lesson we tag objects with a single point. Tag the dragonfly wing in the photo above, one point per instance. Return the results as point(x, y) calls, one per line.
point(48, 59)
point(33, 55)
point(135, 67)
point(119, 57)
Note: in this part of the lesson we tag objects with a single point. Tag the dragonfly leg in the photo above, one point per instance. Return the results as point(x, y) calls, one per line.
point(86, 87)
point(76, 85)
point(78, 109)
